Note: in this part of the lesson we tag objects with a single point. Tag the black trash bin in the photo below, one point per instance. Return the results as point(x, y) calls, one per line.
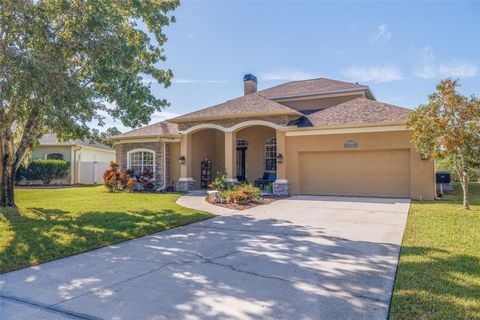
point(443, 177)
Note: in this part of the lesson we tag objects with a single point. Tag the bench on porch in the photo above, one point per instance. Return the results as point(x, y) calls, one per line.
point(268, 177)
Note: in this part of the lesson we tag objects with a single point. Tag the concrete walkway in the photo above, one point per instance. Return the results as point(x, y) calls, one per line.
point(301, 258)
point(196, 200)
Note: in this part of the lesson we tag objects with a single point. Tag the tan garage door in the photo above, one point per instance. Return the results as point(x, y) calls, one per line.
point(384, 173)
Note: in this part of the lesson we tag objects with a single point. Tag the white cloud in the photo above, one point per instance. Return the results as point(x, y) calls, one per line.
point(184, 80)
point(337, 51)
point(426, 68)
point(382, 35)
point(286, 75)
point(461, 69)
point(377, 73)
point(425, 72)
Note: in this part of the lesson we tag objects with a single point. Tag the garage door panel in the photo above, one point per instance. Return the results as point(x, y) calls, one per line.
point(384, 173)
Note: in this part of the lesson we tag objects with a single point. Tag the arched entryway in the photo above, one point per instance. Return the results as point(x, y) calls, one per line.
point(208, 156)
point(256, 153)
point(247, 151)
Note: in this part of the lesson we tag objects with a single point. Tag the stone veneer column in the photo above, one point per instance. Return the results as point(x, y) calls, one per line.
point(231, 157)
point(186, 181)
point(280, 186)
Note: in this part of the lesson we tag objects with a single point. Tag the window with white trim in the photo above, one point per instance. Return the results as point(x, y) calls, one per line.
point(54, 156)
point(271, 155)
point(242, 143)
point(141, 161)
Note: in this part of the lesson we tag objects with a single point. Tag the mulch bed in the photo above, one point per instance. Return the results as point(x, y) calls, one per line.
point(260, 202)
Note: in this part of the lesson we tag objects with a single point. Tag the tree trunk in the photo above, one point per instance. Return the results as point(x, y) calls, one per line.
point(7, 181)
point(10, 187)
point(464, 181)
point(3, 180)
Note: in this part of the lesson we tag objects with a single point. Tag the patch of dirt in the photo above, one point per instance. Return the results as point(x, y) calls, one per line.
point(260, 202)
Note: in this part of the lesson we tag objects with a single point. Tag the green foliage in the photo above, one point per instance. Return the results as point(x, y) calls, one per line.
point(448, 127)
point(21, 173)
point(220, 183)
point(64, 64)
point(269, 188)
point(446, 164)
point(117, 180)
point(241, 194)
point(54, 223)
point(438, 274)
point(47, 170)
point(103, 137)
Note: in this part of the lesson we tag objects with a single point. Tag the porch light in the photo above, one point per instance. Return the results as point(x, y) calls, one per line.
point(280, 158)
point(424, 156)
point(181, 160)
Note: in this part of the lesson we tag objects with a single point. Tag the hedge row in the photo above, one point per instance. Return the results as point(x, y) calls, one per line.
point(44, 170)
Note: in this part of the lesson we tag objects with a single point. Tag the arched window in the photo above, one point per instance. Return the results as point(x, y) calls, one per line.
point(54, 156)
point(271, 155)
point(140, 161)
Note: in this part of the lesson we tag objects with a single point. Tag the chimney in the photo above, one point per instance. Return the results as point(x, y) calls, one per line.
point(249, 84)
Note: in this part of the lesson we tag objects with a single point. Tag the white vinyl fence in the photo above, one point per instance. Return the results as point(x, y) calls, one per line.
point(91, 172)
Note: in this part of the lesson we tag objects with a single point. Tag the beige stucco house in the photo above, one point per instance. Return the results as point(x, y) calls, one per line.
point(314, 137)
point(88, 160)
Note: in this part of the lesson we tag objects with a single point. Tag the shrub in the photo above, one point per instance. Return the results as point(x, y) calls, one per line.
point(241, 194)
point(146, 180)
point(117, 180)
point(47, 170)
point(220, 183)
point(21, 174)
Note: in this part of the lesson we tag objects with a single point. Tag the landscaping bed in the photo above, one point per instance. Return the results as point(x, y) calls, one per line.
point(265, 199)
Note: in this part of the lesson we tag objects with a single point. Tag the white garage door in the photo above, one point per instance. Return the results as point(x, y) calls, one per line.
point(384, 173)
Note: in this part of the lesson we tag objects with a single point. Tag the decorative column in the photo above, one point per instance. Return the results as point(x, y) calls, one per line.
point(186, 182)
point(231, 157)
point(280, 186)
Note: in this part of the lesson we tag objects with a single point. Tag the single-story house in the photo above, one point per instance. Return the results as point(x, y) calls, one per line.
point(88, 159)
point(312, 137)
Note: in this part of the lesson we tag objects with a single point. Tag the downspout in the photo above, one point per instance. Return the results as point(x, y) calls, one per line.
point(164, 165)
point(76, 170)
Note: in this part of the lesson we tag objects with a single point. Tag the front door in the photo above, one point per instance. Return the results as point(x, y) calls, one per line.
point(241, 174)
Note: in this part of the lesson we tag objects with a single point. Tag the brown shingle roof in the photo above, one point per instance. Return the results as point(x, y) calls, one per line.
point(157, 129)
point(358, 111)
point(309, 87)
point(245, 106)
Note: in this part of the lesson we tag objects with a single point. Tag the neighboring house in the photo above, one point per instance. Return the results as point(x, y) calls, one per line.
point(314, 137)
point(88, 160)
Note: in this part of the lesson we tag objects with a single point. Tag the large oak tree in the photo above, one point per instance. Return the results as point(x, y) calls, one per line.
point(448, 127)
point(66, 63)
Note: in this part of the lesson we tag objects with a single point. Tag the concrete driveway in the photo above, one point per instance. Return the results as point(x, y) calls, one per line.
point(299, 258)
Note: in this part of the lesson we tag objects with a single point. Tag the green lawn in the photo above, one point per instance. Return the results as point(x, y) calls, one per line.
point(439, 271)
point(54, 223)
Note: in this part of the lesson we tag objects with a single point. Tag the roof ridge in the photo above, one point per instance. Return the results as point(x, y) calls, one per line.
point(240, 100)
point(311, 79)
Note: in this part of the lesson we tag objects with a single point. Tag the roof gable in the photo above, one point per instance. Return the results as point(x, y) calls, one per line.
point(157, 129)
point(245, 106)
point(358, 111)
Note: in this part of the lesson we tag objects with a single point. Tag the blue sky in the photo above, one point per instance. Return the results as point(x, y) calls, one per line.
point(399, 49)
